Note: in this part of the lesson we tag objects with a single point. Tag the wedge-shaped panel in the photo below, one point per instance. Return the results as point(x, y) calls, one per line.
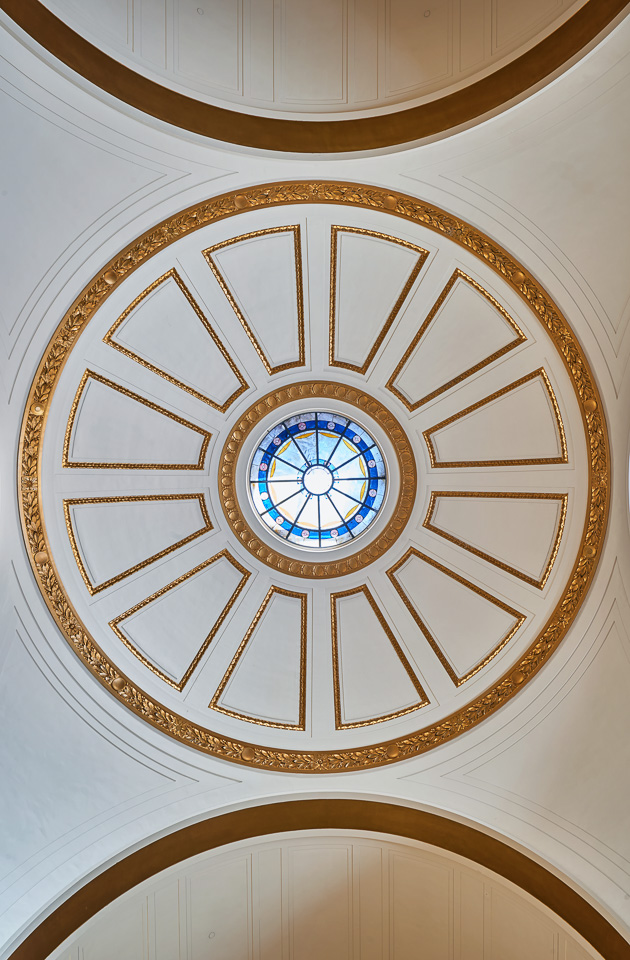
point(373, 679)
point(110, 426)
point(113, 537)
point(465, 626)
point(171, 630)
point(165, 330)
point(260, 273)
point(266, 681)
point(518, 532)
point(465, 330)
point(371, 275)
point(520, 424)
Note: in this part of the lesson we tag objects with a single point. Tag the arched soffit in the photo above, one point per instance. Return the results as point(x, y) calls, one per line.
point(258, 822)
point(290, 303)
point(437, 115)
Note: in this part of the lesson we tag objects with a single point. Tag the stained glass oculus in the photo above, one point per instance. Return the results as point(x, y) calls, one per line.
point(318, 480)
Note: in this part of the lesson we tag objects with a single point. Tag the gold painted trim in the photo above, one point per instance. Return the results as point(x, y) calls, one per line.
point(457, 679)
point(96, 588)
point(214, 703)
point(540, 373)
point(520, 338)
point(313, 390)
point(180, 684)
point(172, 274)
point(370, 816)
point(437, 116)
point(96, 465)
point(340, 724)
point(270, 196)
point(299, 293)
point(332, 321)
point(562, 499)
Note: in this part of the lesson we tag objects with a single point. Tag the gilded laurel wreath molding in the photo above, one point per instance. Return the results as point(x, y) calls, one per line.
point(317, 389)
point(276, 195)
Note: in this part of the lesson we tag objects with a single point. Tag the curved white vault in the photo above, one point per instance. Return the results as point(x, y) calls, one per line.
point(90, 780)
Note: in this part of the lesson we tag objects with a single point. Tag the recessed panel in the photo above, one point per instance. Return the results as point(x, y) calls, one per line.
point(170, 630)
point(465, 625)
point(519, 424)
point(261, 276)
point(166, 330)
point(371, 276)
point(111, 426)
point(374, 679)
point(266, 680)
point(518, 532)
point(116, 536)
point(465, 330)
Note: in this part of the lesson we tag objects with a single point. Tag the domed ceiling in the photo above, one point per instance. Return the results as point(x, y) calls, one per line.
point(320, 315)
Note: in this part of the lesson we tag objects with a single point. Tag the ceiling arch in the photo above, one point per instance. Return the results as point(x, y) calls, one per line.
point(406, 110)
point(338, 822)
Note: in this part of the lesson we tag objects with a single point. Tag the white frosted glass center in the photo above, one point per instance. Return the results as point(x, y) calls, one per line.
point(318, 480)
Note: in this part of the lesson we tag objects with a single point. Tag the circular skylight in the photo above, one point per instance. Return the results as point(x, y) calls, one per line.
point(318, 480)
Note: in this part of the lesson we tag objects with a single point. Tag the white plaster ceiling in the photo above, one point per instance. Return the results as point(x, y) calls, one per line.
point(330, 58)
point(338, 894)
point(86, 779)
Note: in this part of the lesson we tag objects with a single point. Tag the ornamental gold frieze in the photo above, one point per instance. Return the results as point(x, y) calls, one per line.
point(225, 450)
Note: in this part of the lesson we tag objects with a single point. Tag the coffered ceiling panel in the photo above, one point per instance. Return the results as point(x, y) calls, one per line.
point(261, 277)
point(518, 532)
point(275, 644)
point(371, 275)
point(466, 329)
point(167, 331)
point(518, 424)
point(375, 688)
point(465, 626)
point(116, 536)
point(266, 679)
point(110, 425)
point(170, 630)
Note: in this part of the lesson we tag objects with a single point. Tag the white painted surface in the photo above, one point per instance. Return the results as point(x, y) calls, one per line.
point(303, 59)
point(88, 781)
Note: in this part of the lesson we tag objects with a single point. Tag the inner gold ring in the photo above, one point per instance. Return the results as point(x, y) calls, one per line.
point(314, 390)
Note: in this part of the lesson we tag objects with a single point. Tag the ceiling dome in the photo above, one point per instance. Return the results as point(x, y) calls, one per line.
point(214, 332)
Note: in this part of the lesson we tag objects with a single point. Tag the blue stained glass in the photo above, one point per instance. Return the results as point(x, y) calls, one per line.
point(318, 480)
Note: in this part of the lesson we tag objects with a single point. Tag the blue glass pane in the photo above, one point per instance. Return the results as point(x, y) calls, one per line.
point(318, 480)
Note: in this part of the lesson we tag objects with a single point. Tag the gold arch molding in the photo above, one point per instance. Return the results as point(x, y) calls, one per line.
point(348, 195)
point(321, 136)
point(369, 816)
